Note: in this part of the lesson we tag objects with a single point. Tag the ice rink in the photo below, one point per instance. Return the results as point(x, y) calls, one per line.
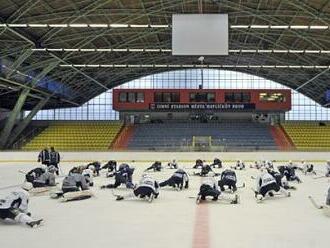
point(172, 220)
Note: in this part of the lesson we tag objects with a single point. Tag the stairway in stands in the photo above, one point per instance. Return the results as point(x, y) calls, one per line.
point(281, 139)
point(123, 139)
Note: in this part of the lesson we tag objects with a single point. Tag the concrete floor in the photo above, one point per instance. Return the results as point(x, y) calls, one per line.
point(173, 220)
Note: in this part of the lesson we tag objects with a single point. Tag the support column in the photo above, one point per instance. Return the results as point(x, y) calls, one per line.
point(19, 104)
point(12, 118)
point(26, 121)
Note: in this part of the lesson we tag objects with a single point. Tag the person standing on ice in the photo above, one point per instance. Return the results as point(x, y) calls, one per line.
point(14, 207)
point(43, 156)
point(124, 175)
point(54, 159)
point(148, 189)
point(178, 179)
point(267, 185)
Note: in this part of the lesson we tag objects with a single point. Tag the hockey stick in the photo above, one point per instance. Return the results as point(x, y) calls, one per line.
point(12, 186)
point(319, 177)
point(113, 193)
point(22, 172)
point(314, 203)
point(241, 186)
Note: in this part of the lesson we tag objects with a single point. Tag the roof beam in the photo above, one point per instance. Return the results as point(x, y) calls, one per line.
point(312, 79)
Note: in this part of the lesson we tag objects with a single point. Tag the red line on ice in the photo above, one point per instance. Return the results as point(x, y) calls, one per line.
point(201, 238)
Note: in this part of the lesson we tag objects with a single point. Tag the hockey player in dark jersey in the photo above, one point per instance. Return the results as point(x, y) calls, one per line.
point(289, 172)
point(156, 166)
point(43, 156)
point(54, 159)
point(209, 188)
point(123, 175)
point(198, 164)
point(228, 178)
point(179, 179)
point(205, 171)
point(216, 162)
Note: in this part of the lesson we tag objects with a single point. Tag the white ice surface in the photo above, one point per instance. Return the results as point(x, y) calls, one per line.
point(170, 220)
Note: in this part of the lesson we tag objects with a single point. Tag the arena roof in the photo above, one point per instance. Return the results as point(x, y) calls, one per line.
point(72, 50)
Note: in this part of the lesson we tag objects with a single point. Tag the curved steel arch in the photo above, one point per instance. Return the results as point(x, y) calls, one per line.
point(281, 12)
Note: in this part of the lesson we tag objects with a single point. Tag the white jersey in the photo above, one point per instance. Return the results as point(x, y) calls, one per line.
point(88, 173)
point(16, 199)
point(264, 179)
point(149, 182)
point(212, 183)
point(328, 168)
point(240, 165)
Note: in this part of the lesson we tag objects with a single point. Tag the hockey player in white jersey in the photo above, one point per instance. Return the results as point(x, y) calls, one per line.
point(148, 189)
point(89, 174)
point(240, 165)
point(173, 164)
point(307, 168)
point(327, 172)
point(14, 207)
point(327, 201)
point(267, 185)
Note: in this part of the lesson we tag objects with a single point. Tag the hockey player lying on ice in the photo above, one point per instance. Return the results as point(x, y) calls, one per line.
point(14, 207)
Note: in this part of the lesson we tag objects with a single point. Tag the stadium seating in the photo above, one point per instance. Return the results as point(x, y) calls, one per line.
point(70, 136)
point(308, 136)
point(231, 135)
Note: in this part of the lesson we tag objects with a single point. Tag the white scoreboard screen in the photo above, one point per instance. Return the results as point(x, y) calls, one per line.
point(200, 34)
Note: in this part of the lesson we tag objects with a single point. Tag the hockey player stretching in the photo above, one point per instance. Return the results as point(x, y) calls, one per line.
point(178, 179)
point(147, 189)
point(267, 185)
point(14, 207)
point(123, 175)
point(209, 187)
point(327, 173)
point(228, 178)
point(41, 178)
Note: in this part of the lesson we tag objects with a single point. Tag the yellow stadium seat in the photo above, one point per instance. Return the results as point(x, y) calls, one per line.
point(77, 136)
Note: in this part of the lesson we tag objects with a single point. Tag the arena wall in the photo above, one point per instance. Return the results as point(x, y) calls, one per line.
point(166, 156)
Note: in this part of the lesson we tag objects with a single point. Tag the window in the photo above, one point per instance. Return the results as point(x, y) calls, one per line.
point(131, 97)
point(237, 97)
point(166, 97)
point(123, 97)
point(202, 97)
point(271, 97)
point(139, 97)
point(303, 108)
